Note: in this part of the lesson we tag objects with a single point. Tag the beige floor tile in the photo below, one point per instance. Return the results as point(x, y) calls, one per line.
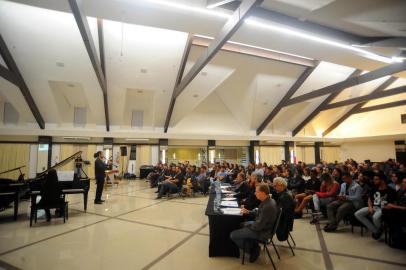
point(194, 255)
point(14, 234)
point(174, 215)
point(116, 205)
point(344, 263)
point(112, 244)
point(343, 241)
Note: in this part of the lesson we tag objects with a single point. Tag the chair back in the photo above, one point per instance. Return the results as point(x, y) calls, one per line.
point(275, 226)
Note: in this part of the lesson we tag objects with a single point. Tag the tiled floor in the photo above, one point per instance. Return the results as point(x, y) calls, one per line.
point(132, 230)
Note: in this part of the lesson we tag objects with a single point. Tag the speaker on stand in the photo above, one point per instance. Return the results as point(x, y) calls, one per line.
point(123, 153)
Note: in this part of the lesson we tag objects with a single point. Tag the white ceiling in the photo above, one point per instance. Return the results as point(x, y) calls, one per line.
point(144, 43)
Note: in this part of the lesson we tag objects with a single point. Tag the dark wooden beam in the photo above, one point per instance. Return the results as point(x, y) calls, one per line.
point(350, 82)
point(225, 34)
point(179, 76)
point(84, 30)
point(366, 98)
point(103, 67)
point(8, 75)
point(319, 108)
point(382, 106)
point(357, 107)
point(12, 67)
point(302, 78)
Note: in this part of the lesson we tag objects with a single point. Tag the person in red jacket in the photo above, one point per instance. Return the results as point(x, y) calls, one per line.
point(328, 192)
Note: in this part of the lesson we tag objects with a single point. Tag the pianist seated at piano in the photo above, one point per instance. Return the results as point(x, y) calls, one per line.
point(51, 193)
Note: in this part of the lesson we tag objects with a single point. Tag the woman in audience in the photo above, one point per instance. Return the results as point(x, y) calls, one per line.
point(311, 187)
point(296, 184)
point(328, 192)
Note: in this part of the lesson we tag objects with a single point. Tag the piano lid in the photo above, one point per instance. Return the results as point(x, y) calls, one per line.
point(60, 164)
point(12, 170)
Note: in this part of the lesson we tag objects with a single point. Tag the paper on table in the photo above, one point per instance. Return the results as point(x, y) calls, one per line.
point(231, 211)
point(229, 203)
point(228, 191)
point(229, 199)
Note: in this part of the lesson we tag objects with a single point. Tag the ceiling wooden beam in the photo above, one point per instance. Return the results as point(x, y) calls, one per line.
point(357, 107)
point(366, 98)
point(179, 76)
point(350, 82)
point(319, 108)
point(302, 78)
point(84, 30)
point(383, 106)
point(20, 83)
point(231, 26)
point(8, 75)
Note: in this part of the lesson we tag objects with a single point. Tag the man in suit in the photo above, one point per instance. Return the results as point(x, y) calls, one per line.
point(259, 229)
point(99, 171)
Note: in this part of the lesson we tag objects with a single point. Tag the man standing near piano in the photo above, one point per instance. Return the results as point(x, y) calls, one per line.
point(99, 171)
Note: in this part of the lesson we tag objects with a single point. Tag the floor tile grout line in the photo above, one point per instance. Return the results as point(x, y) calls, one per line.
point(326, 256)
point(172, 249)
point(153, 225)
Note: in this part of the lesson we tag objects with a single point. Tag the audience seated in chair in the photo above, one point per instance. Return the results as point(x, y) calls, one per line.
point(171, 185)
point(328, 192)
point(311, 187)
point(379, 196)
point(348, 201)
point(284, 200)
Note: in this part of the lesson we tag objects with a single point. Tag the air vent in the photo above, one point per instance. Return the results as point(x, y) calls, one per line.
point(10, 115)
point(79, 117)
point(137, 119)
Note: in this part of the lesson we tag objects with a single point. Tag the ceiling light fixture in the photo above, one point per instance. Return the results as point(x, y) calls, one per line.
point(199, 10)
point(136, 139)
point(280, 29)
point(79, 138)
point(218, 3)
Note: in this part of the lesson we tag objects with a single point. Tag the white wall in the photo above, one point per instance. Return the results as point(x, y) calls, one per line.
point(373, 150)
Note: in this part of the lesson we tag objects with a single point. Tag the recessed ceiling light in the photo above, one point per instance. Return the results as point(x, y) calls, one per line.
point(71, 85)
point(204, 73)
point(140, 91)
point(144, 70)
point(279, 85)
point(60, 64)
point(195, 95)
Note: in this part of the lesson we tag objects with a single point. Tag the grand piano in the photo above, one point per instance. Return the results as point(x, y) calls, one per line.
point(78, 184)
point(12, 190)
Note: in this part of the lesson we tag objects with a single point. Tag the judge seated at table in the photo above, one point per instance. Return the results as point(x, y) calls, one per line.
point(241, 187)
point(251, 201)
point(259, 229)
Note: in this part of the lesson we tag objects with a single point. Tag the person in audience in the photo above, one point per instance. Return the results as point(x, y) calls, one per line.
point(202, 181)
point(173, 184)
point(328, 192)
point(337, 175)
point(396, 181)
point(221, 175)
point(348, 201)
point(394, 215)
point(306, 174)
point(259, 229)
point(284, 200)
point(379, 196)
point(259, 170)
point(268, 175)
point(365, 183)
point(296, 184)
point(100, 174)
point(302, 199)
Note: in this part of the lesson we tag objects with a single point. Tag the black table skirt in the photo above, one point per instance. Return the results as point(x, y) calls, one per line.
point(220, 227)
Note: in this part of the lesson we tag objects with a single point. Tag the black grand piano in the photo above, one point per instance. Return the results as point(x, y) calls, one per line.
point(80, 183)
point(11, 190)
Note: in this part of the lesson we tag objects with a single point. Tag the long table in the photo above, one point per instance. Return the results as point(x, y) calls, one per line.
point(220, 227)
